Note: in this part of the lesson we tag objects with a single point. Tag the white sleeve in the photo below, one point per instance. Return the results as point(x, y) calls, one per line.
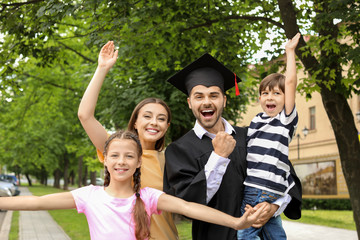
point(215, 169)
point(282, 203)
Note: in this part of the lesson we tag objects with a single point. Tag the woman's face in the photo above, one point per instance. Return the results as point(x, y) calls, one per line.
point(151, 124)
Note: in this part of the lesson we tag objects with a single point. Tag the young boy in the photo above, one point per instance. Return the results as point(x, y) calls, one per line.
point(268, 138)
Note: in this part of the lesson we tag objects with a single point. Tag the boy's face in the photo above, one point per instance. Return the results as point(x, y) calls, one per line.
point(272, 101)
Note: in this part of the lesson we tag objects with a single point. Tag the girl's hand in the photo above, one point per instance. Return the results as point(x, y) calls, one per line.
point(249, 217)
point(107, 56)
point(292, 43)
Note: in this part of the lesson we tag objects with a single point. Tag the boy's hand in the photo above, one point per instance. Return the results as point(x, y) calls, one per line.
point(107, 55)
point(292, 43)
point(250, 216)
point(267, 212)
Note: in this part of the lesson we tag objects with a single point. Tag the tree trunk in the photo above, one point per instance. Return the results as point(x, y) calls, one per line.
point(29, 179)
point(93, 177)
point(72, 177)
point(346, 135)
point(66, 171)
point(80, 171)
point(43, 176)
point(84, 179)
point(57, 176)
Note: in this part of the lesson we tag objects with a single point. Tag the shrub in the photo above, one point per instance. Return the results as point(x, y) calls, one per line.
point(327, 204)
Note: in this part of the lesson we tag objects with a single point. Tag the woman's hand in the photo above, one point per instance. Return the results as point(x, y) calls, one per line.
point(107, 56)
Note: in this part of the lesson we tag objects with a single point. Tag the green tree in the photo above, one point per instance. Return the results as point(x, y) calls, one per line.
point(40, 91)
point(156, 38)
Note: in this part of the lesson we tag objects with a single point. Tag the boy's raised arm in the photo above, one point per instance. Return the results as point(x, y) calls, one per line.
point(290, 75)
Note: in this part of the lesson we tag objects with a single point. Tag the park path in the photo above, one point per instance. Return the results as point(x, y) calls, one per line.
point(38, 225)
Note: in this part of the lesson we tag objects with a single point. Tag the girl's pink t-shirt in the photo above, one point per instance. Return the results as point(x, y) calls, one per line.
point(109, 217)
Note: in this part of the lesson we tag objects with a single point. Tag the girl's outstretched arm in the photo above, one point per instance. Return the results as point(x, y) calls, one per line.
point(86, 112)
point(204, 213)
point(47, 202)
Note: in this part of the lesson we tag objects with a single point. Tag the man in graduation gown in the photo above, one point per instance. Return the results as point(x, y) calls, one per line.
point(208, 164)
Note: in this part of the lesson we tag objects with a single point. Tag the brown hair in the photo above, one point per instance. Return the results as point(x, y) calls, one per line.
point(159, 145)
point(273, 80)
point(140, 216)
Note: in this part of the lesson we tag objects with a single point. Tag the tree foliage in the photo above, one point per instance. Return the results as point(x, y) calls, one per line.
point(52, 46)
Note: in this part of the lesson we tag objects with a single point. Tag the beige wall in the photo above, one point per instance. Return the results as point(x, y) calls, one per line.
point(319, 145)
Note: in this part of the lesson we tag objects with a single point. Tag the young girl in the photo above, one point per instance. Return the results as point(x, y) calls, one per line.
point(121, 210)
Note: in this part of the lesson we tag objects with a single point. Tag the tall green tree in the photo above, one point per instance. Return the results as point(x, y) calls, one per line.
point(156, 38)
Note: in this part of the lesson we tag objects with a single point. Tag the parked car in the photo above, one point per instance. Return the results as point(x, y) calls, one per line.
point(99, 181)
point(11, 179)
point(7, 189)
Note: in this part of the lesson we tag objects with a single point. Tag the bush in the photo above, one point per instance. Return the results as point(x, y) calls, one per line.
point(327, 204)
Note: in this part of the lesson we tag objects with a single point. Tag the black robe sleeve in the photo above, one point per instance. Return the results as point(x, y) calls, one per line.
point(184, 170)
point(293, 209)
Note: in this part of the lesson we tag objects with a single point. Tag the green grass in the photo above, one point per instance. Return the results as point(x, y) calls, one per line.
point(330, 218)
point(184, 229)
point(14, 230)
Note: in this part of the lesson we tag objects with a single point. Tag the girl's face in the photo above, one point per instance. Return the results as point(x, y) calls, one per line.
point(122, 159)
point(151, 124)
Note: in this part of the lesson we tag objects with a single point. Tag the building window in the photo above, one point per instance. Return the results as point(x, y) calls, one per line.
point(312, 118)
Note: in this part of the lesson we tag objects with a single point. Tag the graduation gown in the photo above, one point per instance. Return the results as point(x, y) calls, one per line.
point(184, 177)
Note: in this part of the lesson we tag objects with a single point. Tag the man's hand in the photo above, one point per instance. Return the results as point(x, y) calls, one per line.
point(268, 211)
point(223, 144)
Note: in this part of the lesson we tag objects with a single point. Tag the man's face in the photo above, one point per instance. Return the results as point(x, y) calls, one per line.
point(207, 104)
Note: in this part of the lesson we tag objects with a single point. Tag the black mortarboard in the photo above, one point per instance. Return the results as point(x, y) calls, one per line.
point(206, 71)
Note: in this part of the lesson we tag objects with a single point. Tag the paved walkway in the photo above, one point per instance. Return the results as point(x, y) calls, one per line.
point(302, 231)
point(38, 225)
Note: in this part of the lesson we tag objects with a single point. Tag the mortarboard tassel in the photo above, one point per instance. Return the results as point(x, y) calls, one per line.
point(237, 92)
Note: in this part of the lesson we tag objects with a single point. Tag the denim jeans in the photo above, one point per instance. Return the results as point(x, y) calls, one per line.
point(273, 229)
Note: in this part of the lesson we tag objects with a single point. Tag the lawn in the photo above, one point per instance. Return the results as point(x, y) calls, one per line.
point(329, 218)
point(75, 225)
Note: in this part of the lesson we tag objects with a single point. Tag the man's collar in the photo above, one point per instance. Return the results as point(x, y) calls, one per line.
point(200, 131)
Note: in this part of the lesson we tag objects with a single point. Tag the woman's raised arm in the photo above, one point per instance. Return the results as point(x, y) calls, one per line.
point(86, 113)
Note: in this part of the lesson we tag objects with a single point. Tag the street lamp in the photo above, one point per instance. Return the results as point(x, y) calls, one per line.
point(357, 116)
point(305, 132)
